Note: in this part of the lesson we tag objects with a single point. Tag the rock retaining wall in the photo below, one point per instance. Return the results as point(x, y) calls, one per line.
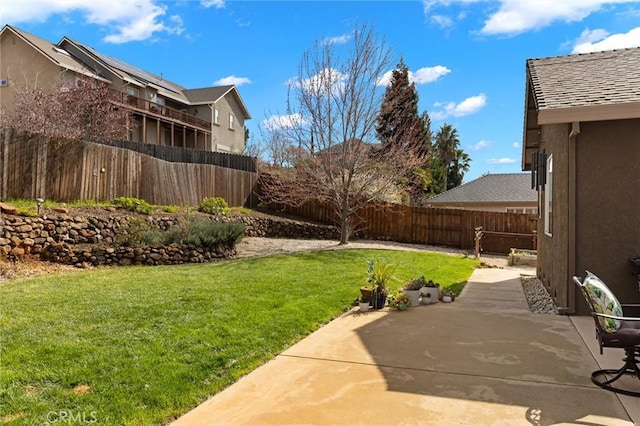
point(97, 240)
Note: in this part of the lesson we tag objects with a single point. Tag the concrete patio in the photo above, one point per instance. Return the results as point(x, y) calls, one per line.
point(484, 359)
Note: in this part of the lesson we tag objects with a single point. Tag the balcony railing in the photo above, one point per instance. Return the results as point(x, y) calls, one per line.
point(155, 109)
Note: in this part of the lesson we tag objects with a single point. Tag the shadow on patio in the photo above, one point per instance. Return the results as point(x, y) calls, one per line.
point(484, 359)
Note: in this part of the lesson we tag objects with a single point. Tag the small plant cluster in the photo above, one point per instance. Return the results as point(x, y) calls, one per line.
point(379, 275)
point(214, 205)
point(134, 204)
point(197, 232)
point(399, 300)
point(416, 283)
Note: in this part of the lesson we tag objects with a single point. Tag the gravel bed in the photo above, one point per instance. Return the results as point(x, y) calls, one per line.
point(539, 300)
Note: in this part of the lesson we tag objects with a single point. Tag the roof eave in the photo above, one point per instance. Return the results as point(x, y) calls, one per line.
point(621, 111)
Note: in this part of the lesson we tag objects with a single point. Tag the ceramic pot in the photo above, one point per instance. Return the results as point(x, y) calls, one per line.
point(414, 295)
point(429, 295)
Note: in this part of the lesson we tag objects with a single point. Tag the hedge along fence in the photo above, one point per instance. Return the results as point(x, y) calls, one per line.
point(35, 166)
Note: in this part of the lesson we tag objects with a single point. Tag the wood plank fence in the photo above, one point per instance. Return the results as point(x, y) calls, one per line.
point(34, 166)
point(433, 226)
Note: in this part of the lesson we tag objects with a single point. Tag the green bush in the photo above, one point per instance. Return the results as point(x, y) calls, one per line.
point(170, 209)
point(157, 237)
point(134, 233)
point(214, 205)
point(134, 204)
point(209, 234)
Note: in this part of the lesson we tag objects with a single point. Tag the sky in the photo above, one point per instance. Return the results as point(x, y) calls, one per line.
point(466, 57)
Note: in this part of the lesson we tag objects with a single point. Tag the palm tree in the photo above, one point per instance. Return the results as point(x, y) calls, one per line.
point(458, 167)
point(446, 144)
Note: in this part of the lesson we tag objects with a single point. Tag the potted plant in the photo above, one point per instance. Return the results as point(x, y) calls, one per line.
point(378, 276)
point(412, 289)
point(399, 300)
point(363, 303)
point(448, 296)
point(429, 292)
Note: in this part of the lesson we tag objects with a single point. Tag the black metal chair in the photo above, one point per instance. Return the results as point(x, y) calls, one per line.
point(613, 330)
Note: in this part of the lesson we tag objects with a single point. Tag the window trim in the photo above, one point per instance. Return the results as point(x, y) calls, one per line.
point(231, 121)
point(216, 116)
point(548, 198)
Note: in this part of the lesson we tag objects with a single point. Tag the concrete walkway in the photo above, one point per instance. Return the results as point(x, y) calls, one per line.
point(484, 359)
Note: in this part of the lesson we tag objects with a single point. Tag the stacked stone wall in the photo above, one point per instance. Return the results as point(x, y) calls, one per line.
point(84, 241)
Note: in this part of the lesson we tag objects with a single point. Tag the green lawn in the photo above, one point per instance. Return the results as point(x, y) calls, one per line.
point(142, 345)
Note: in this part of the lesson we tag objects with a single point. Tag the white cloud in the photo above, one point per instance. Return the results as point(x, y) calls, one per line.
point(328, 79)
point(516, 144)
point(480, 146)
point(516, 16)
point(597, 40)
point(504, 160)
point(420, 76)
point(341, 39)
point(468, 106)
point(442, 21)
point(428, 74)
point(232, 79)
point(213, 3)
point(125, 20)
point(278, 122)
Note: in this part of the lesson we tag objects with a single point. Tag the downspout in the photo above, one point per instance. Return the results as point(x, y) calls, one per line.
point(213, 112)
point(571, 222)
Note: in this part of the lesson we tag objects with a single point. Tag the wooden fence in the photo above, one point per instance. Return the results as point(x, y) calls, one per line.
point(34, 166)
point(432, 226)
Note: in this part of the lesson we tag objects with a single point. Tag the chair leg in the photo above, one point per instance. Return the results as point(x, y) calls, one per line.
point(630, 367)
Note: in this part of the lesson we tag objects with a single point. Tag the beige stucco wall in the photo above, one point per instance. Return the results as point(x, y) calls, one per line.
point(20, 64)
point(608, 204)
point(221, 134)
point(487, 207)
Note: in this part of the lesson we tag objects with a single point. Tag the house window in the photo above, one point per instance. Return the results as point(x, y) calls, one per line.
point(231, 121)
point(159, 100)
point(133, 92)
point(548, 198)
point(216, 116)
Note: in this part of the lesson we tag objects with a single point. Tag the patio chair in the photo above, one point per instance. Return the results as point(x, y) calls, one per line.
point(613, 330)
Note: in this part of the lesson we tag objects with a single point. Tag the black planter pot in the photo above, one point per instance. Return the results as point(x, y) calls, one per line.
point(378, 300)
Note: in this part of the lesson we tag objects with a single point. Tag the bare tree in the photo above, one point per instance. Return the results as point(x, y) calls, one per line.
point(335, 104)
point(86, 111)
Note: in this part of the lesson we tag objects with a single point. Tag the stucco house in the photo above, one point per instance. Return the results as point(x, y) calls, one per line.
point(502, 192)
point(209, 118)
point(582, 145)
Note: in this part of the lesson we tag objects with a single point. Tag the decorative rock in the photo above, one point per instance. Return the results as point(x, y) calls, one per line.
point(8, 208)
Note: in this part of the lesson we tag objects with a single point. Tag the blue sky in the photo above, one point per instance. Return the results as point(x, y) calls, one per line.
point(467, 57)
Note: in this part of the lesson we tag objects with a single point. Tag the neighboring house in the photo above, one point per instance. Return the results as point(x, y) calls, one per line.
point(508, 192)
point(210, 118)
point(582, 143)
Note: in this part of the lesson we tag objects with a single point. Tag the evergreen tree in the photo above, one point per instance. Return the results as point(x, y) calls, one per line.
point(400, 125)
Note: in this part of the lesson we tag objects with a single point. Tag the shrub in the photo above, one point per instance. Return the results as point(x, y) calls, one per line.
point(134, 204)
point(170, 209)
point(215, 206)
point(209, 234)
point(157, 237)
point(134, 232)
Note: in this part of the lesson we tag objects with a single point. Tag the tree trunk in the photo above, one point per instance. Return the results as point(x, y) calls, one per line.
point(345, 221)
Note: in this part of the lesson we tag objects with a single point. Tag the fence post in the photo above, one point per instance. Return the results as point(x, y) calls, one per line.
point(534, 237)
point(478, 235)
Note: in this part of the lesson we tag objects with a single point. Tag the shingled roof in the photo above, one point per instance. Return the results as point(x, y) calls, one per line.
point(586, 87)
point(491, 188)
